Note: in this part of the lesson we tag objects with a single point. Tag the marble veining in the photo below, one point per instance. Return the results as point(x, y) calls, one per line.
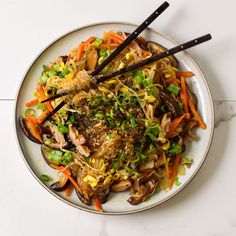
point(224, 111)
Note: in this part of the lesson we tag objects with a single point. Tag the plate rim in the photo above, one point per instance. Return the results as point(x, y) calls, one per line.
point(16, 126)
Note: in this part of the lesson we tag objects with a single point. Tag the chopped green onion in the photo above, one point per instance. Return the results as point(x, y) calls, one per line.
point(41, 106)
point(132, 121)
point(152, 130)
point(181, 108)
point(138, 77)
point(148, 83)
point(67, 158)
point(173, 89)
point(176, 181)
point(97, 42)
point(62, 112)
point(186, 160)
point(103, 53)
point(174, 149)
point(71, 120)
point(44, 178)
point(99, 116)
point(64, 73)
point(43, 79)
point(62, 128)
point(55, 156)
point(115, 165)
point(30, 112)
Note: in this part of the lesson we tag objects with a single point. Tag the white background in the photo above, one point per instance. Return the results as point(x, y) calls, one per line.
point(207, 205)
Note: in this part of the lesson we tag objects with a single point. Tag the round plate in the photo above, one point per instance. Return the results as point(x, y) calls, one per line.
point(117, 203)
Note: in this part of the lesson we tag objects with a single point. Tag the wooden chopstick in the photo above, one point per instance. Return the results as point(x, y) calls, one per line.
point(131, 37)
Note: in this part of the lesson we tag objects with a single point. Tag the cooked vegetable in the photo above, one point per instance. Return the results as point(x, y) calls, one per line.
point(127, 133)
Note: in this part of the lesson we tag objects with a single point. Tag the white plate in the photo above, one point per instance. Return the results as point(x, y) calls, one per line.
point(117, 203)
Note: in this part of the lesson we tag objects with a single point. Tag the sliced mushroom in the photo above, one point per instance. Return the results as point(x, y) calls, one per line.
point(61, 184)
point(92, 59)
point(171, 103)
point(78, 140)
point(26, 130)
point(121, 185)
point(187, 132)
point(143, 188)
point(59, 137)
point(147, 165)
point(156, 48)
point(102, 194)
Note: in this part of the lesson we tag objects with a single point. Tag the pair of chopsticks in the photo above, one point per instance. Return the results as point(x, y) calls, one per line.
point(97, 78)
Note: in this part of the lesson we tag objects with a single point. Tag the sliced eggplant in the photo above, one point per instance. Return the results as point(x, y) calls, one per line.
point(156, 48)
point(26, 130)
point(61, 184)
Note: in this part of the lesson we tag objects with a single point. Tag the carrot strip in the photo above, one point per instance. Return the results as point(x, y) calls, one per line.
point(34, 130)
point(67, 173)
point(32, 119)
point(32, 102)
point(43, 116)
point(166, 166)
point(68, 190)
point(115, 37)
point(98, 205)
point(80, 51)
point(196, 115)
point(184, 74)
point(40, 91)
point(184, 94)
point(90, 40)
point(108, 45)
point(174, 170)
point(175, 123)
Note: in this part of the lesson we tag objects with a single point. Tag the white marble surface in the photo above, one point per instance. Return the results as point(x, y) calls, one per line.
point(206, 206)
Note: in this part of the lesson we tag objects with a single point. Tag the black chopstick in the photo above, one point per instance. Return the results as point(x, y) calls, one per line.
point(56, 109)
point(102, 78)
point(179, 48)
point(131, 37)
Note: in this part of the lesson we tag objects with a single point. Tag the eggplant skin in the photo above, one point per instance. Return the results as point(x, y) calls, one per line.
point(56, 186)
point(26, 131)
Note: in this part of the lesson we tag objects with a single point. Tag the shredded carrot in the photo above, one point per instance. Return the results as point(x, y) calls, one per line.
point(108, 45)
point(80, 51)
point(145, 53)
point(90, 40)
point(43, 116)
point(32, 102)
point(68, 190)
point(195, 113)
point(32, 119)
point(34, 129)
point(175, 123)
point(98, 205)
point(184, 94)
point(67, 173)
point(184, 74)
point(115, 37)
point(174, 170)
point(40, 91)
point(166, 166)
